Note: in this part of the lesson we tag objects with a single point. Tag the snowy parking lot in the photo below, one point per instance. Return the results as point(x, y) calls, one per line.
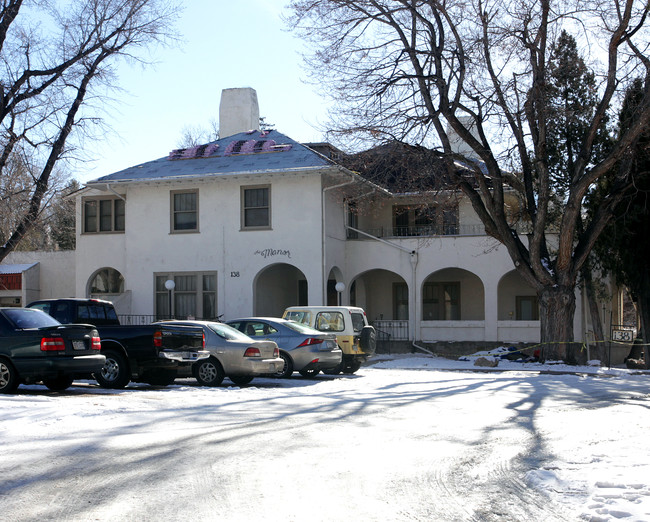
point(409, 438)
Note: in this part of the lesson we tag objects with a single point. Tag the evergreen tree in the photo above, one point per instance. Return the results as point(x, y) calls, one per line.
point(623, 247)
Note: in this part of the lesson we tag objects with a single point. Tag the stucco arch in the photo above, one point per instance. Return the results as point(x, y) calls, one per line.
point(453, 294)
point(516, 298)
point(383, 294)
point(335, 276)
point(276, 287)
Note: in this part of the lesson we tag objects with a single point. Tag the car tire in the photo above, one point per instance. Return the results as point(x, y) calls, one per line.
point(351, 367)
point(368, 340)
point(287, 369)
point(115, 373)
point(334, 371)
point(60, 383)
point(241, 379)
point(8, 377)
point(208, 372)
point(310, 374)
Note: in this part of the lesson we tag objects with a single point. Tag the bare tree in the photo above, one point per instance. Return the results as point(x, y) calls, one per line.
point(411, 69)
point(55, 57)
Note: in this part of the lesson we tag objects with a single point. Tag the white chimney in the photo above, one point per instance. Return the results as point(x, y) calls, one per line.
point(459, 146)
point(238, 111)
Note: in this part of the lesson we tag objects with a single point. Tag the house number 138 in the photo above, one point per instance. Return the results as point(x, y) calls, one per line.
point(234, 274)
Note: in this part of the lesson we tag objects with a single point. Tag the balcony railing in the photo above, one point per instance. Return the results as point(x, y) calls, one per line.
point(426, 231)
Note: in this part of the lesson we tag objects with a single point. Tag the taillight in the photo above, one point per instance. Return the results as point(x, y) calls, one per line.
point(203, 340)
point(95, 343)
point(252, 352)
point(310, 340)
point(276, 352)
point(157, 339)
point(52, 344)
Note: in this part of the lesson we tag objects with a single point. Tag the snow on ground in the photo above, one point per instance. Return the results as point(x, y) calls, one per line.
point(408, 438)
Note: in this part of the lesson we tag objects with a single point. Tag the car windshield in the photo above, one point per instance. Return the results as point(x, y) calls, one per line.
point(301, 328)
point(24, 319)
point(228, 332)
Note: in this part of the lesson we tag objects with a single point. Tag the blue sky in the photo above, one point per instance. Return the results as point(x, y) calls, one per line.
point(225, 45)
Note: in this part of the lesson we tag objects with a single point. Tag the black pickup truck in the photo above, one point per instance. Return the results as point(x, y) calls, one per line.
point(150, 353)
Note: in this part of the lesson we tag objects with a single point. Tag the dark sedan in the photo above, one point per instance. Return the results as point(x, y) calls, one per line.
point(302, 348)
point(35, 347)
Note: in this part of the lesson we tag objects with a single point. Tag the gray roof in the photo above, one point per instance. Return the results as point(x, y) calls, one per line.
point(243, 153)
point(16, 269)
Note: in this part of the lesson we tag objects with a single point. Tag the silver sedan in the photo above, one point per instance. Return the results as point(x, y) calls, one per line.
point(302, 348)
point(233, 355)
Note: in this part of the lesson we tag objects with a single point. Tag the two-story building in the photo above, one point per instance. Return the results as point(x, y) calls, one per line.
point(255, 222)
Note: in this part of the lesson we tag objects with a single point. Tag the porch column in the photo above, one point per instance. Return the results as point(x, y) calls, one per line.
point(491, 291)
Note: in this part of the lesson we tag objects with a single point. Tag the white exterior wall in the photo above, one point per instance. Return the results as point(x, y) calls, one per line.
point(148, 246)
point(54, 277)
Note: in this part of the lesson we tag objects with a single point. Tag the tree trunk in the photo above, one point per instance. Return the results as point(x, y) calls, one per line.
point(557, 308)
point(592, 302)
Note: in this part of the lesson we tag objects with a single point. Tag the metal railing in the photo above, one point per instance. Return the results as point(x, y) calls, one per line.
point(429, 231)
point(391, 329)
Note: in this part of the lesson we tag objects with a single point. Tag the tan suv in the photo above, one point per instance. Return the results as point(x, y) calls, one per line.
point(356, 338)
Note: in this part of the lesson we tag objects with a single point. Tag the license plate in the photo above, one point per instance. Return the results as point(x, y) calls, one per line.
point(78, 345)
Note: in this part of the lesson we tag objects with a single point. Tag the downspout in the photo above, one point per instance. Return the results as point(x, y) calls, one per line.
point(110, 189)
point(322, 235)
point(414, 264)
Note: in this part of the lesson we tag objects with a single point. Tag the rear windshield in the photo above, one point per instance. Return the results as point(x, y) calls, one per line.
point(228, 332)
point(357, 322)
point(26, 318)
point(330, 322)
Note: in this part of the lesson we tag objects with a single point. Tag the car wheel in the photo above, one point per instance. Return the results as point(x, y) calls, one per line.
point(368, 340)
point(115, 373)
point(352, 367)
point(8, 377)
point(287, 369)
point(60, 383)
point(208, 372)
point(241, 379)
point(334, 371)
point(309, 373)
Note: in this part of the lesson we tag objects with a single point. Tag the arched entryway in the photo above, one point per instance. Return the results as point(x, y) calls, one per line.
point(276, 287)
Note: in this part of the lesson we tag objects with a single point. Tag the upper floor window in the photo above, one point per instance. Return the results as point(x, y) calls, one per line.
point(185, 211)
point(103, 215)
point(256, 207)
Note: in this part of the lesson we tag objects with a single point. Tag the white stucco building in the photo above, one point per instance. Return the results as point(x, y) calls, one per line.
point(256, 222)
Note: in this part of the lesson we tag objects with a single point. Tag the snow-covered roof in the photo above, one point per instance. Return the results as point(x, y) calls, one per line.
point(244, 153)
point(16, 269)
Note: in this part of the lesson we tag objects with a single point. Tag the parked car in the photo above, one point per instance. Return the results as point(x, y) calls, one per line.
point(232, 354)
point(35, 347)
point(302, 348)
point(142, 353)
point(356, 338)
